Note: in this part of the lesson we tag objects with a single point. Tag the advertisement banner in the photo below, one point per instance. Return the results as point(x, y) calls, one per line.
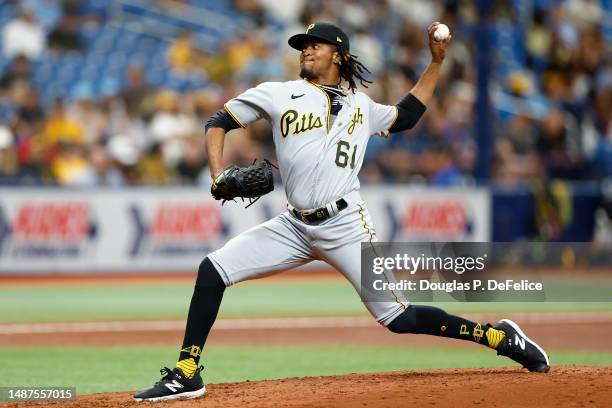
point(414, 214)
point(173, 229)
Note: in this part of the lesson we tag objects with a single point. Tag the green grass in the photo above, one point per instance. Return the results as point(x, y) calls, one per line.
point(170, 300)
point(100, 369)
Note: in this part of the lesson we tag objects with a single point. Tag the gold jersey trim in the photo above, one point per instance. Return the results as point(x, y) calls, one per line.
point(328, 115)
point(370, 235)
point(226, 107)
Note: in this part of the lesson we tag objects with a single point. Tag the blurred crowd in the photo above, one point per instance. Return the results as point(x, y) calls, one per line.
point(551, 102)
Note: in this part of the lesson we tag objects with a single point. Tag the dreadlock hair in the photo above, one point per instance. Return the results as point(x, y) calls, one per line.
point(350, 69)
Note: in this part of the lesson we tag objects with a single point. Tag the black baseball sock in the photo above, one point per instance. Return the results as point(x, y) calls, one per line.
point(203, 310)
point(436, 322)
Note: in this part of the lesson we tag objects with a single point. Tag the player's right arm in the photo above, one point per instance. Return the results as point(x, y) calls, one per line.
point(388, 119)
point(425, 86)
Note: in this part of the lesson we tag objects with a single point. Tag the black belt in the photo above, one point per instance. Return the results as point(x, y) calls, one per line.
point(319, 214)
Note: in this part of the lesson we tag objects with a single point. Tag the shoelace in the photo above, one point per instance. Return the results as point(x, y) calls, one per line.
point(166, 374)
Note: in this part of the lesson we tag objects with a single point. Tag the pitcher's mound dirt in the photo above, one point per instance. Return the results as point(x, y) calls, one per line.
point(510, 387)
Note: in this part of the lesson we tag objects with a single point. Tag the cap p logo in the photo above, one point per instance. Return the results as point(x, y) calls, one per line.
point(310, 27)
point(339, 39)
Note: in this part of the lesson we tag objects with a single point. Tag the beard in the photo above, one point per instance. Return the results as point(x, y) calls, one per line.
point(305, 73)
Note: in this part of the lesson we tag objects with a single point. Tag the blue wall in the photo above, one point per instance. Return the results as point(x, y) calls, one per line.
point(514, 212)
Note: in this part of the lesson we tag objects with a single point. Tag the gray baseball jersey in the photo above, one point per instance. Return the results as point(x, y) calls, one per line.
point(319, 162)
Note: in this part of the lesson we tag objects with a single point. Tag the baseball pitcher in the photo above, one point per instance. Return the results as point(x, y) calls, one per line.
point(321, 125)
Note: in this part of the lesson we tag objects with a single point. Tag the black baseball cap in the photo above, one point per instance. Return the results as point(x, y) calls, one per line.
point(324, 32)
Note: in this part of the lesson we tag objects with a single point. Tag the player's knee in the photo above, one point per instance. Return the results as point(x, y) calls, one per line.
point(404, 323)
point(208, 276)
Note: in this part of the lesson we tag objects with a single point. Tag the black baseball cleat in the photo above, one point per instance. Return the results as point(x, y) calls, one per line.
point(521, 348)
point(173, 385)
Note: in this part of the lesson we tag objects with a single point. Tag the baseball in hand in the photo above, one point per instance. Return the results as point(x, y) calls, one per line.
point(442, 32)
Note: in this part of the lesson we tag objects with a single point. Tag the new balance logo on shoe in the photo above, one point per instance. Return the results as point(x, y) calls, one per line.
point(519, 341)
point(174, 385)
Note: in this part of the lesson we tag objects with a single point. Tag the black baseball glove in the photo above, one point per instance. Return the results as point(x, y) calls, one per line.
point(244, 182)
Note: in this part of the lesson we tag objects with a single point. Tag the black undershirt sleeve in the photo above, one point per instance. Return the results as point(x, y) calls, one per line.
point(409, 111)
point(223, 120)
